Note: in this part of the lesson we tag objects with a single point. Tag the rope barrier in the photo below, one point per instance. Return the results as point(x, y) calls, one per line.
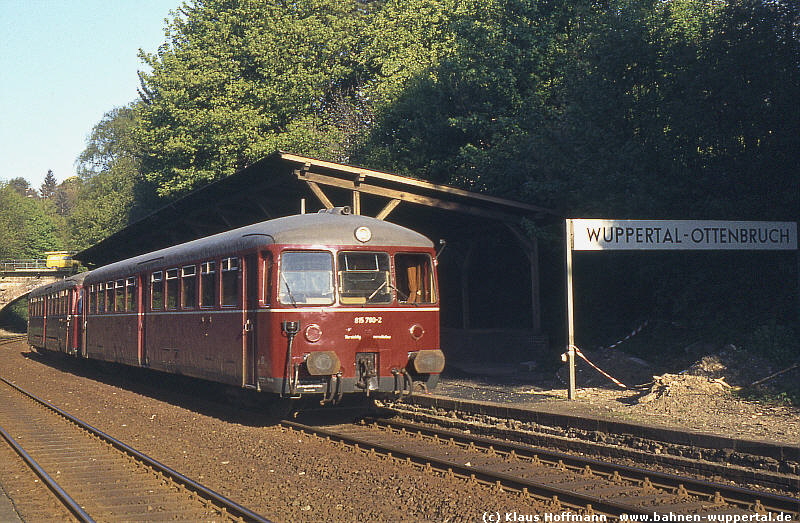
point(598, 369)
point(581, 355)
point(635, 331)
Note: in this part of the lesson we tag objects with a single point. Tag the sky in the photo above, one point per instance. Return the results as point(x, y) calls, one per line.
point(63, 65)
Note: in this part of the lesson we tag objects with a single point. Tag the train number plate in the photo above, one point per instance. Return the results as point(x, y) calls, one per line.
point(361, 320)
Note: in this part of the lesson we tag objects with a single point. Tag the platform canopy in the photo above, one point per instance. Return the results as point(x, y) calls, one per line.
point(277, 185)
point(484, 234)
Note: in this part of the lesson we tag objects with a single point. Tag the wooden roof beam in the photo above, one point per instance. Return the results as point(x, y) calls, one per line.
point(389, 208)
point(315, 188)
point(315, 179)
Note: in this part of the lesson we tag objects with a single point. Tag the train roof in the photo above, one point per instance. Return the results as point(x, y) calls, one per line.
point(66, 283)
point(318, 229)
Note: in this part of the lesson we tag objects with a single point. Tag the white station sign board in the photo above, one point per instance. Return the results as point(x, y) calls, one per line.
point(602, 235)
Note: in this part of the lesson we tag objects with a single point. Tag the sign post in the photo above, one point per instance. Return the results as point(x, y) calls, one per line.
point(605, 235)
point(570, 312)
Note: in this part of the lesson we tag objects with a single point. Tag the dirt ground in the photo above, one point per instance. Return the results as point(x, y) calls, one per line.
point(281, 474)
point(291, 477)
point(706, 392)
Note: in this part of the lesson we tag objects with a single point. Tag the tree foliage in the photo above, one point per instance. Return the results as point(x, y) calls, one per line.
point(48, 187)
point(27, 228)
point(109, 188)
point(237, 80)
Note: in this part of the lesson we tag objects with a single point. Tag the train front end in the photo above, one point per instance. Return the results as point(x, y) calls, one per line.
point(359, 317)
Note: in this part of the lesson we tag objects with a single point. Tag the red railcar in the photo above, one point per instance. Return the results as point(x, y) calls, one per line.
point(55, 314)
point(322, 304)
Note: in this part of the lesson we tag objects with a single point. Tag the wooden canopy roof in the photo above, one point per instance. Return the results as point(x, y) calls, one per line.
point(281, 183)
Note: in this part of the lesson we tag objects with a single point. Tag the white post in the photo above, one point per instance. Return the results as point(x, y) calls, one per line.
point(569, 237)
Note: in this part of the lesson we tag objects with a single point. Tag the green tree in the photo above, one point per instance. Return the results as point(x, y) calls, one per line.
point(27, 228)
point(109, 190)
point(487, 82)
point(238, 80)
point(22, 186)
point(66, 195)
point(48, 188)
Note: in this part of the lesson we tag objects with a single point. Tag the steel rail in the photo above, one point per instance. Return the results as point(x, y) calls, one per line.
point(739, 496)
point(52, 484)
point(229, 505)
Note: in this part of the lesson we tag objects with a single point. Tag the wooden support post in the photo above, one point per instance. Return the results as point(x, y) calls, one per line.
point(531, 248)
point(466, 263)
point(389, 208)
point(319, 194)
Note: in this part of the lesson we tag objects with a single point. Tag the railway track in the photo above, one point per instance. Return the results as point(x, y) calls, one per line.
point(560, 480)
point(98, 478)
point(6, 340)
point(707, 456)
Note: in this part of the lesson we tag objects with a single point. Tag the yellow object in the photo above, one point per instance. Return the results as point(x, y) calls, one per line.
point(61, 260)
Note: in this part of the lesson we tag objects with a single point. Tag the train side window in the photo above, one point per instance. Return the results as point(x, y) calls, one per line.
point(230, 282)
point(208, 284)
point(364, 278)
point(131, 302)
point(415, 278)
point(119, 296)
point(101, 299)
point(172, 289)
point(157, 291)
point(189, 287)
point(266, 279)
point(110, 297)
point(306, 278)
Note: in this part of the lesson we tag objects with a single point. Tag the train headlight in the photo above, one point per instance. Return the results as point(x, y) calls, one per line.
point(416, 331)
point(313, 333)
point(363, 234)
point(323, 363)
point(428, 361)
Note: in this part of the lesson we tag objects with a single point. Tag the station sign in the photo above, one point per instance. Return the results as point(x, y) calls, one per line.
point(602, 235)
point(633, 235)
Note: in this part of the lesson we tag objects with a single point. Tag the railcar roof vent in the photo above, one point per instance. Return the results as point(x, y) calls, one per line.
point(337, 210)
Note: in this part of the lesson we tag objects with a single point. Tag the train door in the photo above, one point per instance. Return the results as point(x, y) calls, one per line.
point(141, 297)
point(88, 301)
point(69, 300)
point(78, 322)
point(250, 334)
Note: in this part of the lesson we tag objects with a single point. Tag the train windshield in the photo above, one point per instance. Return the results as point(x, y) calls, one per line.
point(306, 278)
point(364, 278)
point(414, 278)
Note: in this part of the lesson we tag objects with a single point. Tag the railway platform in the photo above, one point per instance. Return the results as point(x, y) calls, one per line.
point(7, 512)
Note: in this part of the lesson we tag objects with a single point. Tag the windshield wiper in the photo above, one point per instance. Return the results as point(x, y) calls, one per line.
point(288, 290)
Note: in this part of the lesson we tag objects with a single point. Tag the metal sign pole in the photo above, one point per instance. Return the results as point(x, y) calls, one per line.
point(569, 237)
